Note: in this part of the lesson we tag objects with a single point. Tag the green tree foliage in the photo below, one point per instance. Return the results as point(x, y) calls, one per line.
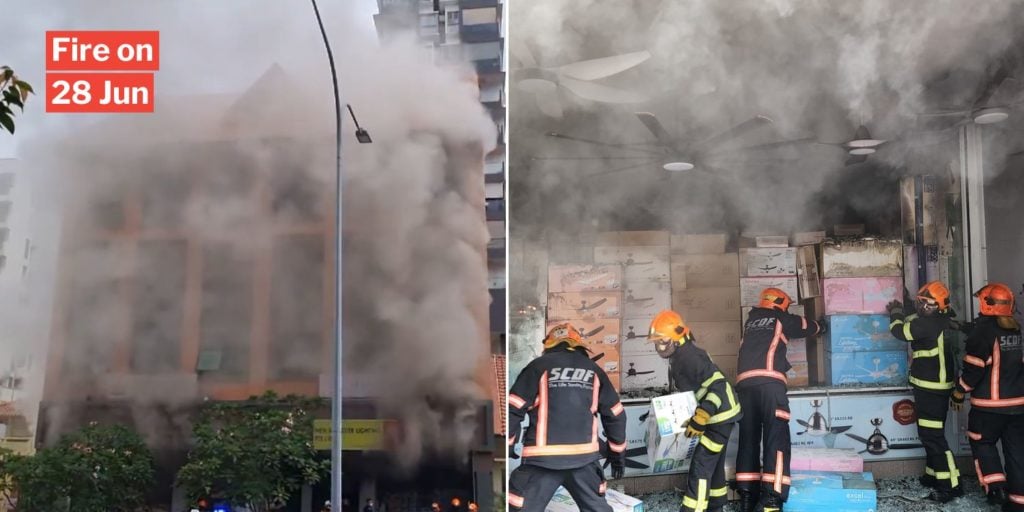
point(256, 453)
point(13, 93)
point(96, 469)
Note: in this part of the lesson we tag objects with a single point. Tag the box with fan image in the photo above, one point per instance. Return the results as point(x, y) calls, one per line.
point(645, 298)
point(639, 263)
point(619, 502)
point(861, 333)
point(813, 491)
point(861, 295)
point(833, 460)
point(569, 305)
point(751, 288)
point(636, 442)
point(609, 359)
point(584, 278)
point(633, 336)
point(862, 258)
point(880, 368)
point(768, 262)
point(705, 270)
point(882, 427)
point(645, 371)
point(593, 331)
point(668, 448)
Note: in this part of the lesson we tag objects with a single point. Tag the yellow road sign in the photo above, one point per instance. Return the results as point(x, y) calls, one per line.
point(356, 435)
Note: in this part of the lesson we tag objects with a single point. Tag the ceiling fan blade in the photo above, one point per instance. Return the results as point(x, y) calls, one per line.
point(604, 67)
point(624, 169)
point(650, 151)
point(549, 102)
point(736, 131)
point(857, 438)
point(654, 125)
point(1015, 154)
point(780, 144)
point(556, 158)
point(600, 93)
point(856, 159)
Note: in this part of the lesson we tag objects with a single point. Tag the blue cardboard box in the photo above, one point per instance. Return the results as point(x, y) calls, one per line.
point(878, 368)
point(862, 333)
point(814, 491)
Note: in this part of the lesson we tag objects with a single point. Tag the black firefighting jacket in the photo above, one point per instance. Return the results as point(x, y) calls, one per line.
point(932, 368)
point(564, 392)
point(993, 371)
point(692, 370)
point(766, 334)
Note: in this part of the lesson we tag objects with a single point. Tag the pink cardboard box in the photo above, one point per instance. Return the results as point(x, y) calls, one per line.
point(861, 295)
point(826, 459)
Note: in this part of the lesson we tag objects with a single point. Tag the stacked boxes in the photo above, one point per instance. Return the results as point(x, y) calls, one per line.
point(809, 283)
point(590, 297)
point(772, 264)
point(643, 257)
point(668, 448)
point(705, 292)
point(837, 492)
point(860, 278)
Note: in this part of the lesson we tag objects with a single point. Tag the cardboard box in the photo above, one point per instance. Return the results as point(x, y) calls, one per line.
point(727, 364)
point(808, 238)
point(644, 371)
point(705, 270)
point(594, 331)
point(584, 305)
point(848, 230)
point(708, 304)
point(633, 336)
point(751, 288)
point(911, 266)
point(861, 295)
point(646, 298)
point(877, 368)
point(639, 263)
point(768, 262)
point(668, 448)
point(862, 258)
point(633, 238)
point(832, 460)
point(798, 375)
point(636, 443)
point(795, 309)
point(764, 241)
point(933, 209)
point(584, 278)
point(718, 338)
point(814, 308)
point(814, 491)
point(563, 502)
point(862, 333)
point(796, 351)
point(885, 422)
point(699, 244)
point(807, 271)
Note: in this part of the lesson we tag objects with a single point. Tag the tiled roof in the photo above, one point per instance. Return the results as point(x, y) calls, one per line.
point(500, 377)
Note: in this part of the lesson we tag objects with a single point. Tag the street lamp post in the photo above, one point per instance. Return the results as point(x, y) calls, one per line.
point(336, 400)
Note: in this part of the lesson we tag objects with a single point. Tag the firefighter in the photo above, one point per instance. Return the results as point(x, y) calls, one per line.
point(717, 411)
point(761, 385)
point(931, 375)
point(564, 392)
point(993, 374)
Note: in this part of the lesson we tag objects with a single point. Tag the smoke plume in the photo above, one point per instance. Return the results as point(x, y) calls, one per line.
point(239, 153)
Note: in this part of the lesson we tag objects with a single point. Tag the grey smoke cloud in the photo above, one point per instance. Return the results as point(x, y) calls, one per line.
point(818, 69)
point(416, 236)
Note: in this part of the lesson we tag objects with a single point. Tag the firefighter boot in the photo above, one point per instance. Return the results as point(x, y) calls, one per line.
point(998, 497)
point(773, 504)
point(927, 481)
point(747, 501)
point(947, 495)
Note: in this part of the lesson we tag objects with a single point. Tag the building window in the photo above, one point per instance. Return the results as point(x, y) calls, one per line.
point(226, 315)
point(296, 308)
point(296, 195)
point(157, 307)
point(95, 311)
point(227, 202)
point(164, 196)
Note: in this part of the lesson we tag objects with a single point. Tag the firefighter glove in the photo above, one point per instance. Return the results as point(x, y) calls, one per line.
point(957, 400)
point(822, 326)
point(698, 423)
point(618, 463)
point(512, 453)
point(894, 308)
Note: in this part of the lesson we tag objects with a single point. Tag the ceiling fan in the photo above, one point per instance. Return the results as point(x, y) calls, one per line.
point(675, 155)
point(860, 145)
point(995, 102)
point(577, 78)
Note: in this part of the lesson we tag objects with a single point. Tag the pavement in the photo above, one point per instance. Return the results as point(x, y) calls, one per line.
point(894, 495)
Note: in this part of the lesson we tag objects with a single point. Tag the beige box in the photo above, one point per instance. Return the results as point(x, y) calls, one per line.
point(768, 262)
point(573, 305)
point(807, 271)
point(796, 351)
point(640, 263)
point(706, 270)
point(751, 288)
point(584, 278)
point(699, 244)
point(862, 258)
point(765, 241)
point(644, 371)
point(808, 238)
point(633, 238)
point(717, 337)
point(798, 376)
point(721, 304)
point(646, 298)
point(633, 336)
point(727, 364)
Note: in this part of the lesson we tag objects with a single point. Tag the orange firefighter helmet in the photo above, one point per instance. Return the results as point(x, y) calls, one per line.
point(774, 298)
point(668, 325)
point(472, 507)
point(995, 299)
point(933, 296)
point(456, 502)
point(563, 333)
